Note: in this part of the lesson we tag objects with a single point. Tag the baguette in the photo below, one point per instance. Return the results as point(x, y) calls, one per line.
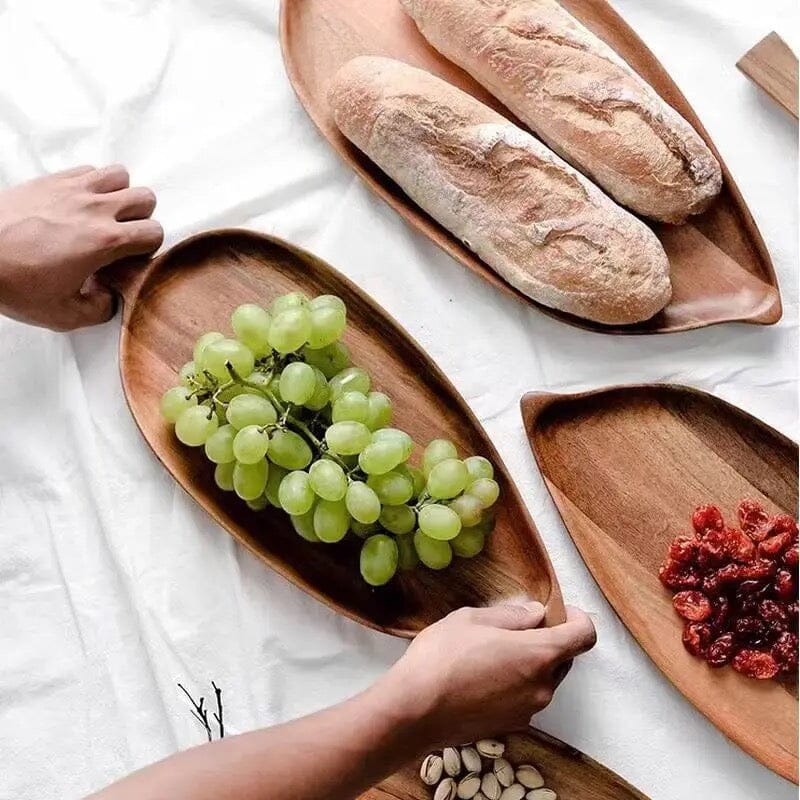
point(580, 98)
point(531, 217)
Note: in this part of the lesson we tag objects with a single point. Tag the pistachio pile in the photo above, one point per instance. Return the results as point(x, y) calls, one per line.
point(479, 772)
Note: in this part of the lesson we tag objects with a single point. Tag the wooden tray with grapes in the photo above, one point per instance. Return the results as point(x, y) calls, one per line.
point(192, 290)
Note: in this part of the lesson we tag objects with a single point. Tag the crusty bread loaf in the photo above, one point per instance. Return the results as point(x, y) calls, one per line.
point(579, 97)
point(530, 216)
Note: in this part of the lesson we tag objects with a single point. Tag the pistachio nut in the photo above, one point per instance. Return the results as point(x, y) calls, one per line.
point(529, 776)
point(452, 761)
point(490, 787)
point(503, 771)
point(431, 769)
point(541, 794)
point(446, 790)
point(490, 748)
point(514, 792)
point(469, 785)
point(471, 759)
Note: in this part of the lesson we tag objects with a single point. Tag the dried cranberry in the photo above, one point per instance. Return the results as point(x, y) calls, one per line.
point(783, 523)
point(694, 606)
point(714, 545)
point(707, 518)
point(750, 630)
point(683, 549)
point(730, 573)
point(750, 588)
point(790, 557)
point(785, 587)
point(696, 636)
point(775, 545)
point(719, 615)
point(773, 613)
point(791, 611)
point(721, 650)
point(754, 520)
point(678, 577)
point(755, 664)
point(711, 584)
point(757, 570)
point(784, 651)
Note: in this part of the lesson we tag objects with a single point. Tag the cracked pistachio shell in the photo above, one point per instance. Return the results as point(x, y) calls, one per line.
point(541, 794)
point(514, 792)
point(503, 771)
point(469, 786)
point(452, 761)
point(446, 790)
point(529, 776)
point(431, 769)
point(490, 786)
point(471, 759)
point(490, 748)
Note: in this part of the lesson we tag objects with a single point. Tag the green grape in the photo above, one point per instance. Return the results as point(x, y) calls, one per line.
point(260, 379)
point(469, 542)
point(216, 356)
point(250, 409)
point(432, 552)
point(226, 395)
point(363, 530)
point(362, 503)
point(468, 508)
point(250, 323)
point(298, 383)
point(289, 329)
point(250, 480)
point(328, 479)
point(274, 385)
point(439, 522)
point(200, 345)
point(406, 442)
point(275, 477)
point(175, 401)
point(379, 414)
point(407, 553)
point(478, 467)
point(250, 444)
point(486, 490)
point(417, 479)
point(398, 519)
point(378, 560)
point(436, 451)
point(393, 489)
point(350, 407)
point(328, 301)
point(304, 526)
point(319, 399)
point(188, 377)
point(327, 326)
point(347, 438)
point(223, 476)
point(447, 479)
point(259, 504)
point(295, 494)
point(195, 425)
point(331, 520)
point(352, 379)
point(289, 450)
point(219, 446)
point(287, 301)
point(380, 457)
point(330, 360)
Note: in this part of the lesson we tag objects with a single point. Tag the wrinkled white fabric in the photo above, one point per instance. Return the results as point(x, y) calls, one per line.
point(114, 584)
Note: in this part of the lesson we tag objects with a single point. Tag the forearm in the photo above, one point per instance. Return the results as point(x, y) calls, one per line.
point(332, 755)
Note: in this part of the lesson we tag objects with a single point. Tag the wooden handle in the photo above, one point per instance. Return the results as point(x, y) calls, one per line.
point(773, 66)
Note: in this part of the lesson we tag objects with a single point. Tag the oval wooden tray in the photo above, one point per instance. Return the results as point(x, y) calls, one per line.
point(193, 288)
point(721, 270)
point(626, 467)
point(569, 772)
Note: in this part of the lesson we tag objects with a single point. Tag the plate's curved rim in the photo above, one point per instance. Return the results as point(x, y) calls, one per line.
point(421, 221)
point(130, 281)
point(534, 404)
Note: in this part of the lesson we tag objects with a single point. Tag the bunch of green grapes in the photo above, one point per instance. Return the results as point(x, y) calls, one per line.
point(288, 422)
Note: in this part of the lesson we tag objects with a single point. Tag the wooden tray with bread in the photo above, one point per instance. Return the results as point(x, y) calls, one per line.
point(620, 217)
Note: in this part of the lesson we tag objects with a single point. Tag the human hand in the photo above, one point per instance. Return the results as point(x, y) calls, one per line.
point(481, 672)
point(57, 231)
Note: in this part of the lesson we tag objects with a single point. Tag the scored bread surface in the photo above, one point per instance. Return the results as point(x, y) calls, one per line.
point(535, 220)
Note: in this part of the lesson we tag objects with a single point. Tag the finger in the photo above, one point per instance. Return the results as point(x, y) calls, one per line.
point(94, 305)
point(577, 635)
point(518, 617)
point(109, 179)
point(75, 172)
point(138, 237)
point(561, 672)
point(130, 204)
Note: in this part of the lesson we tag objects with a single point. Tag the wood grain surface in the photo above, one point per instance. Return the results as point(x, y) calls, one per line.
point(720, 268)
point(772, 65)
point(193, 288)
point(626, 467)
point(569, 772)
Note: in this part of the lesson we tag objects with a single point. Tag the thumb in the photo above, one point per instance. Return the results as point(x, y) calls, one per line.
point(513, 617)
point(94, 304)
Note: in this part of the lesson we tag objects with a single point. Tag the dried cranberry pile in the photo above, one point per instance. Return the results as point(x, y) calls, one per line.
point(737, 590)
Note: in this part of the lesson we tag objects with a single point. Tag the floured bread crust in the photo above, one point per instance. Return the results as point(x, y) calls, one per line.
point(530, 216)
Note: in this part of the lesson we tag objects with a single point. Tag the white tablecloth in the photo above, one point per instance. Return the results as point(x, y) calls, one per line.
point(114, 584)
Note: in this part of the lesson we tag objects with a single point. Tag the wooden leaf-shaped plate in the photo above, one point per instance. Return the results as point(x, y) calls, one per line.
point(721, 270)
point(193, 288)
point(567, 771)
point(626, 467)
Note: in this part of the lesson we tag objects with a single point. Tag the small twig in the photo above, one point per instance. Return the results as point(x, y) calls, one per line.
point(218, 712)
point(199, 712)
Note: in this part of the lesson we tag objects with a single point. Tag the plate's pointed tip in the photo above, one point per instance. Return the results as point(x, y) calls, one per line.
point(532, 403)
